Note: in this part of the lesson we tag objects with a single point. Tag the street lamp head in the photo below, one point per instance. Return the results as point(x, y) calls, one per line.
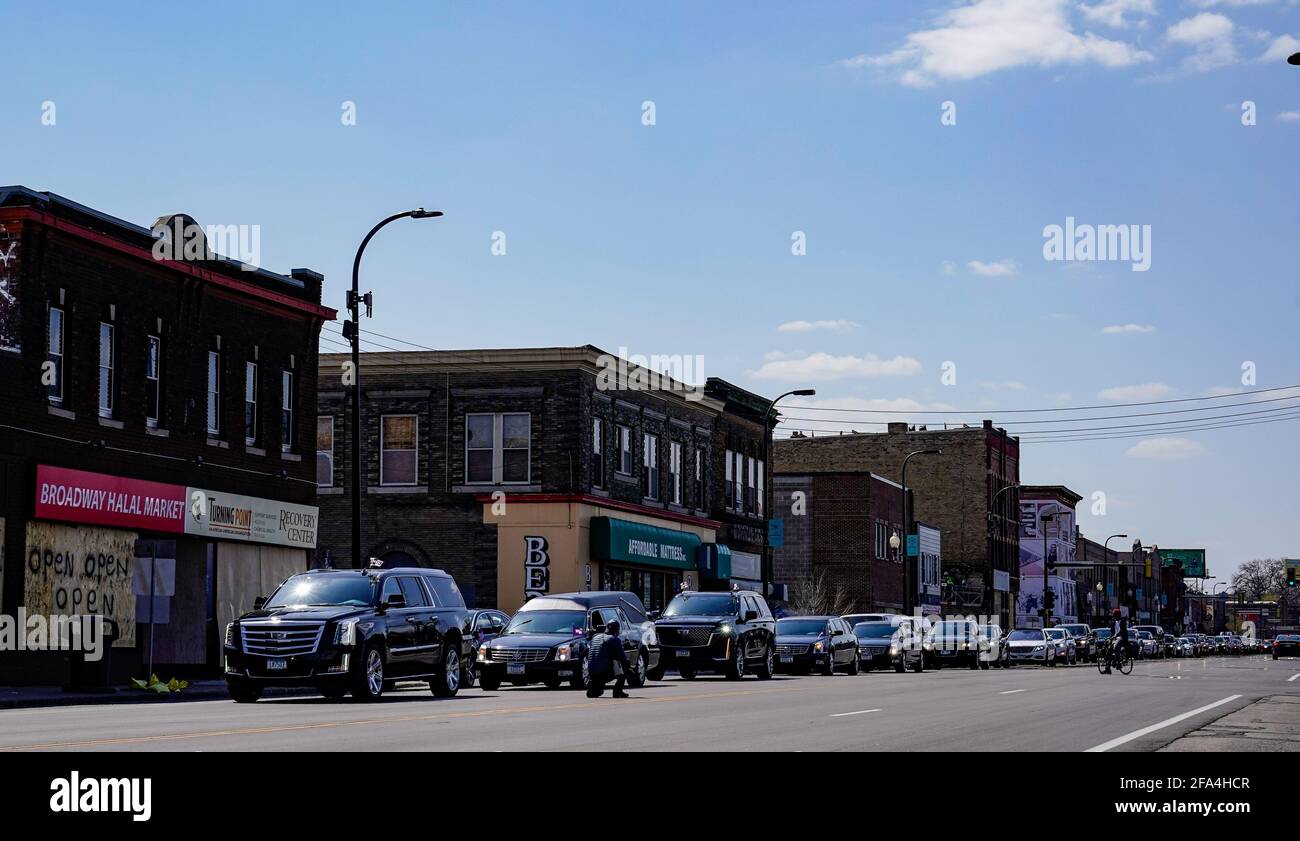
point(1294, 60)
point(894, 542)
point(804, 392)
point(421, 213)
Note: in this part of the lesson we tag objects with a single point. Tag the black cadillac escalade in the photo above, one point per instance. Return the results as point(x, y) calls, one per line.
point(355, 631)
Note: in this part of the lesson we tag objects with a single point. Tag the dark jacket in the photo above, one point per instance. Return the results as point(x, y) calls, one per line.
point(604, 652)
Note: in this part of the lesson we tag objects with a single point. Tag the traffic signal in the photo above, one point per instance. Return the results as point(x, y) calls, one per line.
point(1049, 600)
point(1290, 576)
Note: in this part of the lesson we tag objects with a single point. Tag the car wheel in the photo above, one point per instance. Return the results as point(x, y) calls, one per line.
point(856, 666)
point(686, 673)
point(447, 683)
point(243, 691)
point(920, 665)
point(552, 681)
point(736, 666)
point(974, 662)
point(637, 678)
point(332, 691)
point(829, 667)
point(583, 676)
point(468, 672)
point(985, 665)
point(767, 668)
point(489, 682)
point(901, 665)
point(368, 683)
point(657, 673)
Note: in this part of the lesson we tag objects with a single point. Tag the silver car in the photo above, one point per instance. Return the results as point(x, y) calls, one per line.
point(1184, 647)
point(1147, 643)
point(1064, 642)
point(1029, 645)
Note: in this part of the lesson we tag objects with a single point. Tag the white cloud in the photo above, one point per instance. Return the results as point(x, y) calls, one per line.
point(1289, 116)
point(1210, 35)
point(1128, 328)
point(1135, 393)
point(981, 37)
point(868, 415)
point(825, 366)
point(1281, 49)
point(1166, 449)
point(1205, 4)
point(1114, 12)
point(1002, 268)
point(949, 267)
point(806, 326)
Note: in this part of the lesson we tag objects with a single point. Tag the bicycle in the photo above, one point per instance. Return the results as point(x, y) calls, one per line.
point(1123, 662)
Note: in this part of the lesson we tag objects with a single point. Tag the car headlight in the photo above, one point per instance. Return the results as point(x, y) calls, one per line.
point(928, 646)
point(724, 629)
point(819, 646)
point(345, 633)
point(230, 633)
point(482, 654)
point(894, 649)
point(566, 652)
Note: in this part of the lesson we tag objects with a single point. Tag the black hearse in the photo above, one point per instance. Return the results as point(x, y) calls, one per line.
point(351, 630)
point(546, 641)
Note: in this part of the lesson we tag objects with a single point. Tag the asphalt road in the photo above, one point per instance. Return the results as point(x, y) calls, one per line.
point(1027, 708)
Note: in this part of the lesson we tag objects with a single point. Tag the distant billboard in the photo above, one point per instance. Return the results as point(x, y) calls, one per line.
point(1193, 561)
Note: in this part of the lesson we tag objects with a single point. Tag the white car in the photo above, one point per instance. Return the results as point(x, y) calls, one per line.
point(1064, 642)
point(1030, 645)
point(1184, 647)
point(993, 647)
point(1147, 643)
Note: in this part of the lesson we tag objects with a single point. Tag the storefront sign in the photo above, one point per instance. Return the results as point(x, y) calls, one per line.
point(1193, 561)
point(537, 567)
point(1001, 581)
point(638, 543)
point(234, 517)
point(78, 570)
point(776, 532)
point(82, 497)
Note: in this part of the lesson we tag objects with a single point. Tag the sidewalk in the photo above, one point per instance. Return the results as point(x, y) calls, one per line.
point(1268, 725)
point(17, 697)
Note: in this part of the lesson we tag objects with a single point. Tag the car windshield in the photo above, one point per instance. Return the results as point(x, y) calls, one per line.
point(800, 626)
point(325, 589)
point(1077, 630)
point(1022, 636)
point(1056, 633)
point(873, 630)
point(952, 629)
point(548, 622)
point(702, 604)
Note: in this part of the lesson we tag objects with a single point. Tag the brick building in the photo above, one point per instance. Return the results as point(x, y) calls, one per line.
point(529, 471)
point(151, 426)
point(837, 530)
point(957, 492)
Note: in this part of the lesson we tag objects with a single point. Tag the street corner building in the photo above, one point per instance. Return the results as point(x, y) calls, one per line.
point(524, 472)
point(962, 507)
point(156, 460)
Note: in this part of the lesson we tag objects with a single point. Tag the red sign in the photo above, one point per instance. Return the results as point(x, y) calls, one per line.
point(80, 497)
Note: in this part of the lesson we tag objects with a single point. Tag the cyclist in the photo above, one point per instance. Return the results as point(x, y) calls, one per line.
point(1118, 640)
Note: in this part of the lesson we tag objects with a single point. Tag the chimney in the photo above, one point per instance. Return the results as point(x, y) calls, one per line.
point(312, 281)
point(897, 427)
point(988, 424)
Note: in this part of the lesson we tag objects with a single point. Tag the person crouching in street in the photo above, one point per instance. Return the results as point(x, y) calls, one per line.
point(606, 660)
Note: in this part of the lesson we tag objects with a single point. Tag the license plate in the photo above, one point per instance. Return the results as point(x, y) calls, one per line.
point(515, 668)
point(682, 652)
point(277, 665)
point(787, 658)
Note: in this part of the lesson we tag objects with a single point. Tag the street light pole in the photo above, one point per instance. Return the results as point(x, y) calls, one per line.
point(763, 566)
point(909, 588)
point(1105, 571)
point(993, 503)
point(352, 329)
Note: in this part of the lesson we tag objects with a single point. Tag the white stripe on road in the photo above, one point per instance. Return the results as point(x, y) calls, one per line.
point(1293, 677)
point(1011, 692)
point(856, 712)
point(1137, 734)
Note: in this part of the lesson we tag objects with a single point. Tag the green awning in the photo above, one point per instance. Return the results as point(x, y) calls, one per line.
point(638, 543)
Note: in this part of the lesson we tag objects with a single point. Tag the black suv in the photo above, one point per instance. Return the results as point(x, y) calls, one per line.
point(953, 643)
point(546, 641)
point(350, 630)
point(718, 632)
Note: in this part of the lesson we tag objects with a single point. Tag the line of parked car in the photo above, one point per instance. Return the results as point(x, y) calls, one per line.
point(361, 631)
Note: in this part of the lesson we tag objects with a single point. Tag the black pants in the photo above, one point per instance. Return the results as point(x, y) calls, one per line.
point(596, 684)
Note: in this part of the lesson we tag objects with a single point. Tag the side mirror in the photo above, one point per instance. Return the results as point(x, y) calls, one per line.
point(396, 600)
point(259, 602)
point(751, 615)
point(652, 615)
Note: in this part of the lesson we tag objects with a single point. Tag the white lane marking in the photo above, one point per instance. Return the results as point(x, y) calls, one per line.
point(855, 712)
point(1011, 692)
point(1137, 734)
point(1293, 677)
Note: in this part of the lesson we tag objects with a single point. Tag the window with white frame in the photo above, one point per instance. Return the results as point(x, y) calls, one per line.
point(882, 541)
point(675, 473)
point(54, 355)
point(286, 410)
point(153, 383)
point(625, 450)
point(250, 403)
point(498, 448)
point(700, 501)
point(650, 458)
point(762, 488)
point(738, 477)
point(730, 486)
point(750, 507)
point(598, 452)
point(107, 340)
point(398, 449)
point(214, 392)
point(325, 451)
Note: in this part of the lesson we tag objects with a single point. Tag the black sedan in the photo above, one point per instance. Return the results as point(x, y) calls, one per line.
point(822, 642)
point(873, 643)
point(1286, 645)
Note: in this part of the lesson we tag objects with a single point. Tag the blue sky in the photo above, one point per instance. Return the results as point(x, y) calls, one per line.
point(924, 240)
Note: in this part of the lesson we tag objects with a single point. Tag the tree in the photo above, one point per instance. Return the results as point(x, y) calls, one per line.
point(1260, 576)
point(816, 597)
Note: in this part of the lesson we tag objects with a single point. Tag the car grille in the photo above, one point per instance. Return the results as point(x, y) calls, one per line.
point(685, 637)
point(787, 650)
point(283, 639)
point(517, 655)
